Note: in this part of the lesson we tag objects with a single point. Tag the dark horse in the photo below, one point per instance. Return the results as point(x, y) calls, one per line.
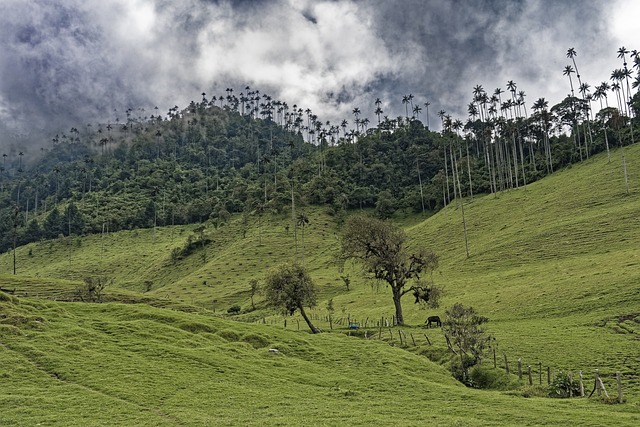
point(433, 320)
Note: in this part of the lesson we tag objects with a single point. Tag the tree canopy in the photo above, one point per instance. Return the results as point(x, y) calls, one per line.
point(381, 249)
point(289, 288)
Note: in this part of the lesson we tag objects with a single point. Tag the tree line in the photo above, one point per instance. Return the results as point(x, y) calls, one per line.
point(250, 153)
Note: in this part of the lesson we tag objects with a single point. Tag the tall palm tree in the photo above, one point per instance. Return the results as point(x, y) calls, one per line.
point(622, 52)
point(405, 101)
point(378, 112)
point(426, 105)
point(571, 53)
point(540, 109)
point(416, 111)
point(302, 221)
point(568, 70)
point(356, 113)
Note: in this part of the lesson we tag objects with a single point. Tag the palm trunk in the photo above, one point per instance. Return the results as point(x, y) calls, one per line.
point(464, 221)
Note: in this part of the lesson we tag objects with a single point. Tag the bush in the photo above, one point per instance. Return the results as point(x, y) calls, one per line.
point(563, 387)
point(234, 309)
point(93, 289)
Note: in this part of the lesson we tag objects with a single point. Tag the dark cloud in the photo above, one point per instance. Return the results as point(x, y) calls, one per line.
point(72, 62)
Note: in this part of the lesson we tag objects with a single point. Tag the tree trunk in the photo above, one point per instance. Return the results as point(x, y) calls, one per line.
point(314, 330)
point(397, 294)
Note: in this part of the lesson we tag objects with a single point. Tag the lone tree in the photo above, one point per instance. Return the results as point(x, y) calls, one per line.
point(290, 288)
point(381, 249)
point(463, 327)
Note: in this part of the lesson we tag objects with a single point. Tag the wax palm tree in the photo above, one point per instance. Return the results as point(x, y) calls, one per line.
point(416, 111)
point(356, 113)
point(426, 106)
point(405, 101)
point(540, 109)
point(302, 221)
point(568, 70)
point(378, 112)
point(571, 53)
point(622, 52)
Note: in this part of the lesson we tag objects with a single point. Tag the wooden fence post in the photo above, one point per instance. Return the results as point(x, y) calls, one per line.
point(570, 383)
point(413, 339)
point(506, 363)
point(519, 368)
point(601, 387)
point(495, 364)
point(581, 384)
point(540, 371)
point(428, 340)
point(548, 375)
point(530, 377)
point(619, 382)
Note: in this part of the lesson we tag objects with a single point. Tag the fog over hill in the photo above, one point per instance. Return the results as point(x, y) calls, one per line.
point(72, 62)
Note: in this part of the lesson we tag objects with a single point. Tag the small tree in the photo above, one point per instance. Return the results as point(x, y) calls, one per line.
point(93, 288)
point(380, 248)
point(463, 328)
point(330, 309)
point(290, 288)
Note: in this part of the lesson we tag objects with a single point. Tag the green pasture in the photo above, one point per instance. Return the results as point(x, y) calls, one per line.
point(554, 266)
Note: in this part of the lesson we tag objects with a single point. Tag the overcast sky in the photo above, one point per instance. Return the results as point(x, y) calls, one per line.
point(71, 62)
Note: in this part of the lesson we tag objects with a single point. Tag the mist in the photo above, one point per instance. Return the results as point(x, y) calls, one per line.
point(71, 62)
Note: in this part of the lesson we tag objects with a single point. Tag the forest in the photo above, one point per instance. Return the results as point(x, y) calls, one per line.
point(249, 153)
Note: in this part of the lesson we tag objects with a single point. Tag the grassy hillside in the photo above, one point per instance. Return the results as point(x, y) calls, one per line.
point(554, 267)
point(80, 364)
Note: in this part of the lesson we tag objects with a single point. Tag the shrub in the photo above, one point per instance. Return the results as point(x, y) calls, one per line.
point(562, 386)
point(234, 309)
point(93, 289)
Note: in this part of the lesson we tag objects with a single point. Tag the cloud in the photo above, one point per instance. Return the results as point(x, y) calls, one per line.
point(72, 62)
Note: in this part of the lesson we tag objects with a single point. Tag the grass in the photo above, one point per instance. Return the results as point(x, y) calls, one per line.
point(554, 267)
point(80, 364)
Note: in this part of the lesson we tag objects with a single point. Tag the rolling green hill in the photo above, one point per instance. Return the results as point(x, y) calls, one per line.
point(553, 266)
point(112, 364)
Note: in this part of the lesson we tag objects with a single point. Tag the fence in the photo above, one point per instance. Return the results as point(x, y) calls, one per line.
point(380, 328)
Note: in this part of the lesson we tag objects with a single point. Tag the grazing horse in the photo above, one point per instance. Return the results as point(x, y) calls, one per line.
point(433, 320)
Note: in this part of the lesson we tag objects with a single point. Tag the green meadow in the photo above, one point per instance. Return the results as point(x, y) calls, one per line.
point(554, 266)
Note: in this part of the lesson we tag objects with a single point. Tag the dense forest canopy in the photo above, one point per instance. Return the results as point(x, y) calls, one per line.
point(250, 153)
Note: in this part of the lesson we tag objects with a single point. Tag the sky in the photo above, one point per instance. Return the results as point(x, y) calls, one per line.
point(68, 63)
